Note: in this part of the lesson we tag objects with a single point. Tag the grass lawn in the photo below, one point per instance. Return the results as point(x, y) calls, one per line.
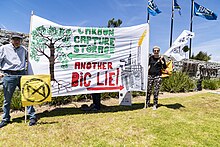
point(185, 121)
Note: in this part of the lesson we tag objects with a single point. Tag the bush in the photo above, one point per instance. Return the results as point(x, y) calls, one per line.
point(62, 100)
point(108, 95)
point(178, 82)
point(15, 102)
point(17, 105)
point(218, 80)
point(211, 84)
point(138, 93)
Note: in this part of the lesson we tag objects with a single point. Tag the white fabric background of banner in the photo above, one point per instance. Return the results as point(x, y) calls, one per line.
point(126, 43)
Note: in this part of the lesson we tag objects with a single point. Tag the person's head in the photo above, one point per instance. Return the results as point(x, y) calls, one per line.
point(16, 40)
point(156, 50)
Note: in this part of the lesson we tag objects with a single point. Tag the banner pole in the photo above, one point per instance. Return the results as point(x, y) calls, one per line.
point(32, 13)
point(25, 114)
point(29, 43)
point(148, 21)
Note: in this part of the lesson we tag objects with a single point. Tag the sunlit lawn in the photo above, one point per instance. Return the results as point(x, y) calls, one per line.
point(186, 121)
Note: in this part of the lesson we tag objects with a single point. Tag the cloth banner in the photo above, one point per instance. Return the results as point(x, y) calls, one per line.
point(176, 49)
point(35, 89)
point(83, 60)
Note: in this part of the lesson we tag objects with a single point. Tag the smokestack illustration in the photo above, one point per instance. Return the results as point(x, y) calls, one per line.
point(139, 47)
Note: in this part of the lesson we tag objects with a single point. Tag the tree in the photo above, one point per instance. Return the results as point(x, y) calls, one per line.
point(203, 56)
point(114, 23)
point(185, 49)
point(50, 42)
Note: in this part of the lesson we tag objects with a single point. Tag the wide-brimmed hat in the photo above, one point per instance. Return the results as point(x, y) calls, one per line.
point(16, 36)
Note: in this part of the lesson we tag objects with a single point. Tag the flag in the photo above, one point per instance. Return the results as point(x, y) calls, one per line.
point(152, 8)
point(176, 6)
point(176, 49)
point(35, 89)
point(204, 12)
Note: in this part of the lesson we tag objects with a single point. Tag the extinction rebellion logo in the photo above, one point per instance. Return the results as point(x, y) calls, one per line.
point(35, 90)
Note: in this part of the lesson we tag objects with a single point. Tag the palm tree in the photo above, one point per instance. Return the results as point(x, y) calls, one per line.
point(114, 23)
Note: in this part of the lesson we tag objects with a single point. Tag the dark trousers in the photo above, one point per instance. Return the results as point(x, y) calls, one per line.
point(96, 97)
point(10, 81)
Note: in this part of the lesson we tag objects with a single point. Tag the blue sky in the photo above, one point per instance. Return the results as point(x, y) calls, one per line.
point(15, 16)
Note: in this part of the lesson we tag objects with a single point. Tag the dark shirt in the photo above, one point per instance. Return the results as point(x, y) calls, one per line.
point(156, 66)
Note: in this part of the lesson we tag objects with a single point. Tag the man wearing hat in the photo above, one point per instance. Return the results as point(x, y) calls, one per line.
point(156, 64)
point(13, 64)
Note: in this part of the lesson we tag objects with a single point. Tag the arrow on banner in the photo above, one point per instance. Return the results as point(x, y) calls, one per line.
point(106, 88)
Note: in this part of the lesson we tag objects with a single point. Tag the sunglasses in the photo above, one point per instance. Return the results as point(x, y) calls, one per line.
point(156, 50)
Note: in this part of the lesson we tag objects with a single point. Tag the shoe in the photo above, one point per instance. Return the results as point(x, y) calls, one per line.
point(94, 109)
point(155, 107)
point(32, 122)
point(3, 123)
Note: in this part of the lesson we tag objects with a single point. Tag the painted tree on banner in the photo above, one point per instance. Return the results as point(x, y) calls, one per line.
point(55, 40)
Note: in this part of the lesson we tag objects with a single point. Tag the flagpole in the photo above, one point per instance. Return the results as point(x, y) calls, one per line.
point(148, 17)
point(171, 28)
point(191, 22)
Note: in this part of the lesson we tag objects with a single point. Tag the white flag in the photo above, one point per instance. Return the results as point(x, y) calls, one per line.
point(176, 49)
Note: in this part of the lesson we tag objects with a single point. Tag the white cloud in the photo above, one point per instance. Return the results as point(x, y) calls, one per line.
point(206, 24)
point(123, 5)
point(132, 20)
point(4, 27)
point(210, 47)
point(82, 23)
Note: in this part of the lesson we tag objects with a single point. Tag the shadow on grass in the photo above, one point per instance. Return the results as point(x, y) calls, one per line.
point(173, 106)
point(104, 109)
point(43, 123)
point(74, 111)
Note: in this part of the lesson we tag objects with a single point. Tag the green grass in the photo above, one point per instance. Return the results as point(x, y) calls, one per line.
point(186, 121)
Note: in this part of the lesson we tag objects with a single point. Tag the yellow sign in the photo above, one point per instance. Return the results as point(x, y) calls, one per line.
point(35, 89)
point(168, 71)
